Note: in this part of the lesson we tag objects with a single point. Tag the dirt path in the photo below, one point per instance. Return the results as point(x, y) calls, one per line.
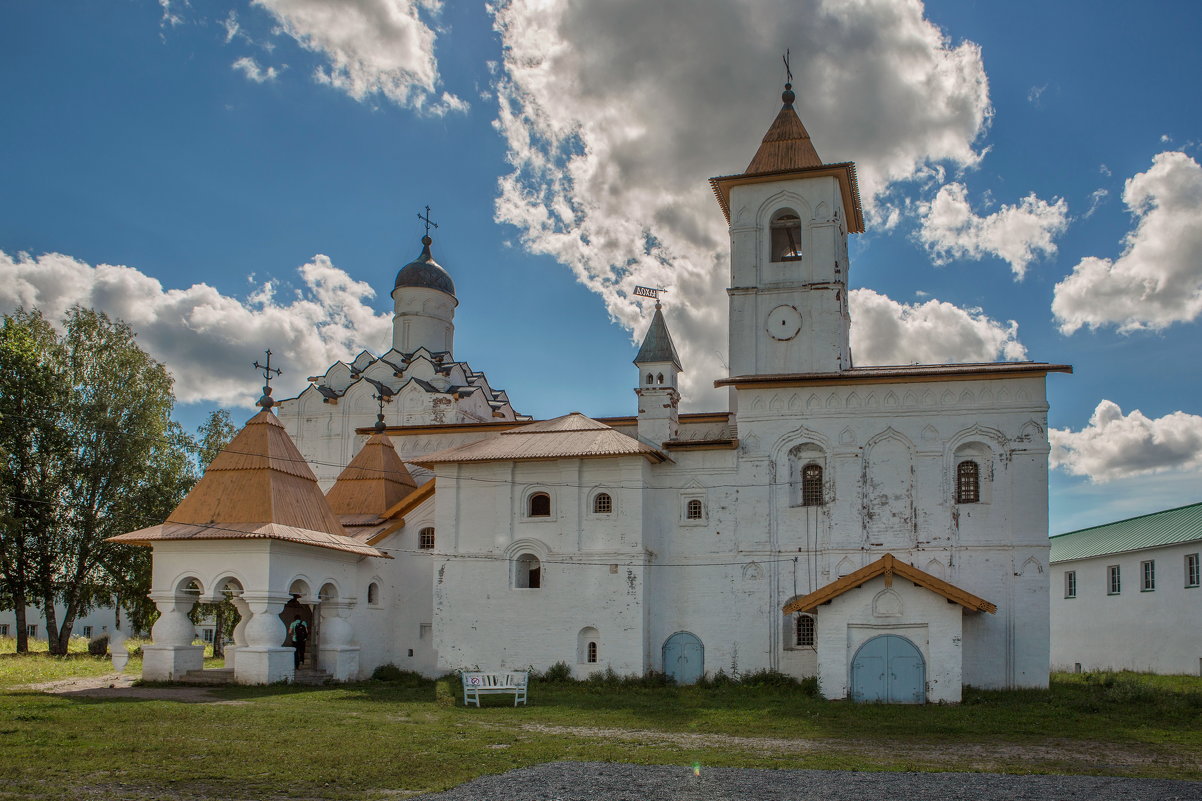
point(115, 685)
point(1080, 755)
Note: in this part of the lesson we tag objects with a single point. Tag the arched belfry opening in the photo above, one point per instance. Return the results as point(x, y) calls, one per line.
point(785, 233)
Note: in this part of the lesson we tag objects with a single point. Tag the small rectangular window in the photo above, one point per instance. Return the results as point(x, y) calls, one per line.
point(3, 629)
point(1114, 579)
point(87, 631)
point(1147, 571)
point(1070, 584)
point(208, 634)
point(31, 631)
point(1192, 570)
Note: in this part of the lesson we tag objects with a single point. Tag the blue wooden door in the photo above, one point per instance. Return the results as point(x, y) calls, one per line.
point(684, 657)
point(890, 669)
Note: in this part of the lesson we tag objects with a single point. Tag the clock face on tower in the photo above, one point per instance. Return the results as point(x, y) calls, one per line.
point(783, 323)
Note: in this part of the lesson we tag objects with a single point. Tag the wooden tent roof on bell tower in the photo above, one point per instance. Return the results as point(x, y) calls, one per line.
point(785, 152)
point(375, 481)
point(787, 145)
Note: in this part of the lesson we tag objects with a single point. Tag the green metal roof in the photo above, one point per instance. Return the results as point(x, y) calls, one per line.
point(1169, 527)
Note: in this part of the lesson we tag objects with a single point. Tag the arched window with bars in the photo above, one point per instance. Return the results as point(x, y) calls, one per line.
point(425, 538)
point(805, 631)
point(694, 510)
point(811, 485)
point(968, 482)
point(603, 503)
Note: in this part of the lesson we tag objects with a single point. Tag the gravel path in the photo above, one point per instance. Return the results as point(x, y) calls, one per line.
point(600, 781)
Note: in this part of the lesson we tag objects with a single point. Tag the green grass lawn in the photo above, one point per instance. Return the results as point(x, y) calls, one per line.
point(378, 740)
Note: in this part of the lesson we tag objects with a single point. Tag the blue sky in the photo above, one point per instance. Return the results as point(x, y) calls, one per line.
point(231, 176)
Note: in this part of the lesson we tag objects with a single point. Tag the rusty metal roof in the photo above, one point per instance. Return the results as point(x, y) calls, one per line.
point(374, 481)
point(258, 487)
point(572, 436)
point(900, 372)
point(247, 531)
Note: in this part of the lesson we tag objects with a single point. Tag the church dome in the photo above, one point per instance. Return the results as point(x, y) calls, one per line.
point(425, 273)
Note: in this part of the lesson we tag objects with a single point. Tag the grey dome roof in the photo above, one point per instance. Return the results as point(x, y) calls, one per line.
point(425, 273)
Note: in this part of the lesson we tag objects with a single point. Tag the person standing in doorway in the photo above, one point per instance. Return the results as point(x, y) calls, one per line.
point(299, 631)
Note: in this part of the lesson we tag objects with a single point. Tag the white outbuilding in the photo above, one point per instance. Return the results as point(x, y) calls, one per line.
point(1128, 595)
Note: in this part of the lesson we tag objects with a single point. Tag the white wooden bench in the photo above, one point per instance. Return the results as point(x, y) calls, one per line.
point(476, 684)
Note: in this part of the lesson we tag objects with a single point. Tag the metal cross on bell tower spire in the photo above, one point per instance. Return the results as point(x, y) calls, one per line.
point(266, 401)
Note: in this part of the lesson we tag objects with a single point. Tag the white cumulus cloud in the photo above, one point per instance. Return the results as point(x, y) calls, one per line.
point(205, 338)
point(884, 331)
point(372, 47)
point(253, 72)
point(1157, 280)
point(1115, 446)
point(615, 113)
point(1017, 234)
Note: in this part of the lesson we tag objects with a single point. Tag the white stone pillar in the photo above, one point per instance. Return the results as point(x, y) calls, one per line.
point(171, 653)
point(231, 650)
point(263, 660)
point(337, 652)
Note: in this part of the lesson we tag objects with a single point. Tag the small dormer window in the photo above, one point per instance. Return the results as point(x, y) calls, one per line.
point(659, 379)
point(650, 379)
point(786, 236)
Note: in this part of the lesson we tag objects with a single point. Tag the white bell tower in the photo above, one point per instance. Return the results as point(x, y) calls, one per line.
point(659, 368)
point(789, 216)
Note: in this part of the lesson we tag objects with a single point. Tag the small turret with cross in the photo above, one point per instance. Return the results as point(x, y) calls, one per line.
point(266, 401)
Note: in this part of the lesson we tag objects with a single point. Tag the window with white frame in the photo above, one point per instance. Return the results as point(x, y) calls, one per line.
point(1114, 580)
point(87, 631)
point(1193, 571)
point(694, 509)
point(1070, 584)
point(592, 652)
point(3, 629)
point(31, 630)
point(1147, 573)
point(805, 631)
point(603, 503)
point(425, 538)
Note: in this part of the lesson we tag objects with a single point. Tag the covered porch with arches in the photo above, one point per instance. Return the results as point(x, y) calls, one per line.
point(275, 583)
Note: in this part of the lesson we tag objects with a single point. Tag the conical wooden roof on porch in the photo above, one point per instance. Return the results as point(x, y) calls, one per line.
point(258, 487)
point(375, 481)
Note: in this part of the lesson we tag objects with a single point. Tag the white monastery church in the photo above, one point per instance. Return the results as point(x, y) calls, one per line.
point(882, 528)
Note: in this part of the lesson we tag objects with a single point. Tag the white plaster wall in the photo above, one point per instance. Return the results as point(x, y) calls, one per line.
point(592, 565)
point(996, 549)
point(815, 285)
point(925, 618)
point(423, 318)
point(1156, 631)
point(402, 619)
